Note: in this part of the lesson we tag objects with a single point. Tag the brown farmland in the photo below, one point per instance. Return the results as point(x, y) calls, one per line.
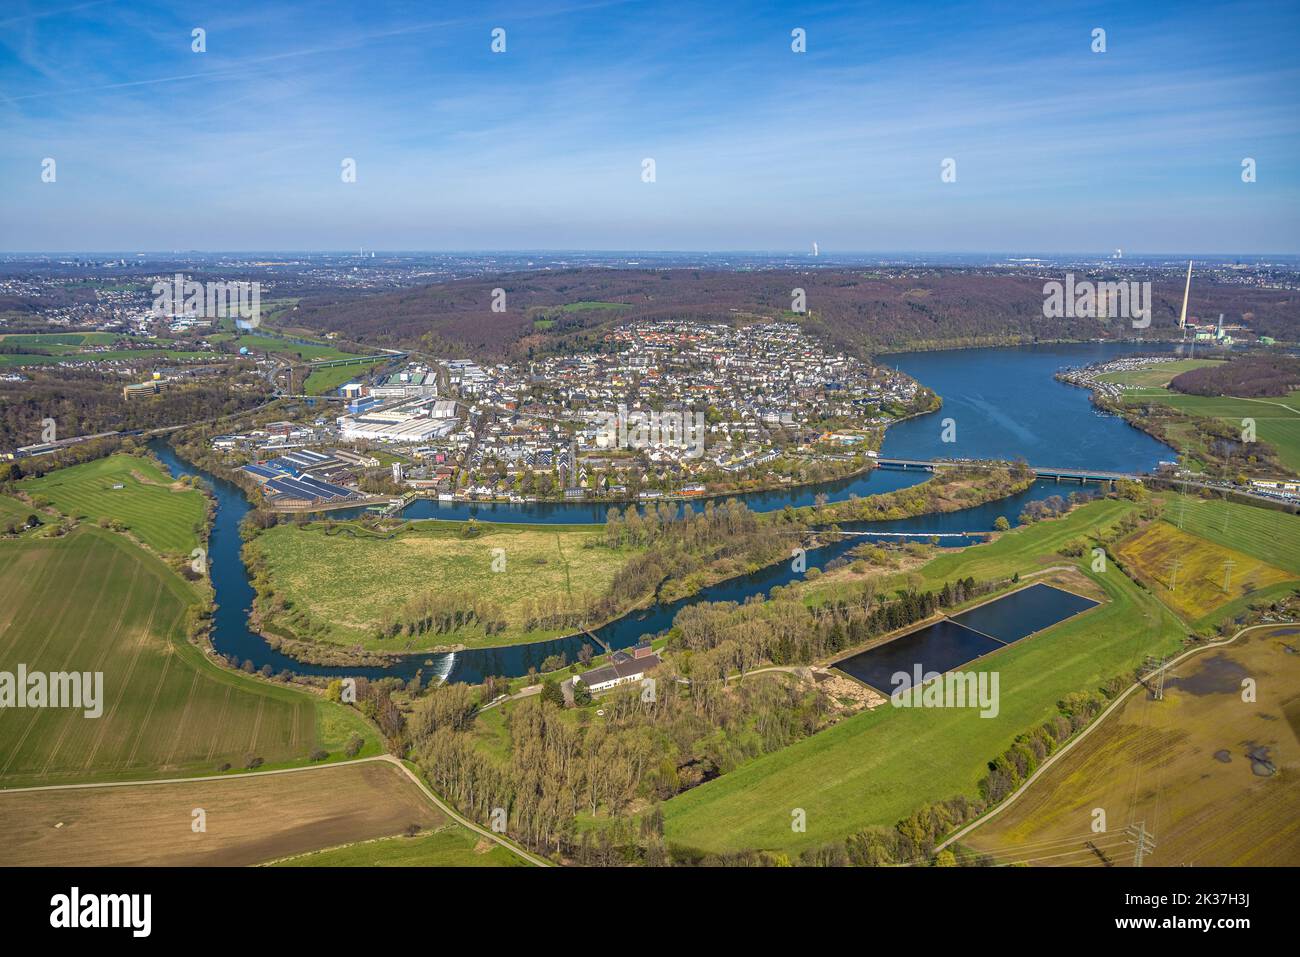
point(1216, 780)
point(250, 818)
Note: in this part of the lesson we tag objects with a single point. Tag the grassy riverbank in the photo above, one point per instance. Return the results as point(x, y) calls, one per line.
point(347, 585)
point(877, 767)
point(132, 492)
point(93, 601)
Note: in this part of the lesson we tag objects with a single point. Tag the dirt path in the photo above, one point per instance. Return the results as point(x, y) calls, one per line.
point(388, 758)
point(1096, 723)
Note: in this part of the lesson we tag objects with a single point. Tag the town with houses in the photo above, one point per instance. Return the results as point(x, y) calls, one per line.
point(665, 410)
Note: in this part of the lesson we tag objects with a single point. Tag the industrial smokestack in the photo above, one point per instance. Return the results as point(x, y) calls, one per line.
point(1182, 318)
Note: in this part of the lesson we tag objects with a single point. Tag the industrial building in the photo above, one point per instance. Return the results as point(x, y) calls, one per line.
point(415, 423)
point(300, 478)
point(406, 385)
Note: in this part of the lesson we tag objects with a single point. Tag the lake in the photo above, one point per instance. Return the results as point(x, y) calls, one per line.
point(1006, 404)
point(971, 382)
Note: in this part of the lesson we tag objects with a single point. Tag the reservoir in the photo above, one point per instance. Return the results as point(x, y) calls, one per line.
point(958, 377)
point(953, 642)
point(1005, 404)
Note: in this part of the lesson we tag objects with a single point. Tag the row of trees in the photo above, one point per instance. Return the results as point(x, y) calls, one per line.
point(646, 749)
point(1054, 506)
point(725, 638)
point(955, 488)
point(679, 543)
point(672, 522)
point(442, 613)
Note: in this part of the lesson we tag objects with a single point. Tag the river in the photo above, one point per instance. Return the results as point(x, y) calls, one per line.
point(1005, 404)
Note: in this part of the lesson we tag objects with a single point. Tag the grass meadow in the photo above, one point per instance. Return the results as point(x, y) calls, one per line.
point(166, 516)
point(876, 768)
point(1277, 421)
point(93, 601)
point(340, 587)
point(324, 381)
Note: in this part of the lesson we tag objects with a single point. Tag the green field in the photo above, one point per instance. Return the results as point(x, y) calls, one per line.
point(1277, 421)
point(11, 510)
point(44, 340)
point(1269, 535)
point(593, 304)
point(452, 846)
point(324, 381)
point(305, 350)
point(1263, 543)
point(340, 586)
point(877, 767)
point(164, 517)
point(93, 601)
point(1024, 549)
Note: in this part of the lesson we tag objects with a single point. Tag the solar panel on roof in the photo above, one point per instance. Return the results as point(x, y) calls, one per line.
point(259, 470)
point(299, 488)
point(313, 482)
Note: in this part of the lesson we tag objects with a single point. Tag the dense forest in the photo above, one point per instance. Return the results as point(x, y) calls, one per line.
point(695, 726)
point(1250, 377)
point(87, 402)
point(866, 311)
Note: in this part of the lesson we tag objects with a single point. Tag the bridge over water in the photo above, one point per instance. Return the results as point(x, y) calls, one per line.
point(1042, 471)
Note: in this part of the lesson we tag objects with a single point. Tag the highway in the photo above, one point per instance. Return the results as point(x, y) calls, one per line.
point(1095, 475)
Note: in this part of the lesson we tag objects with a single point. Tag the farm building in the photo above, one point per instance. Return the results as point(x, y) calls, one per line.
point(624, 667)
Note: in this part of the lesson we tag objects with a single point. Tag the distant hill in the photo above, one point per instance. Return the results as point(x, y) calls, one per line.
point(1250, 377)
point(863, 310)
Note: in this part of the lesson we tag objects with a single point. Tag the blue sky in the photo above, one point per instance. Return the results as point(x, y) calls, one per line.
point(756, 147)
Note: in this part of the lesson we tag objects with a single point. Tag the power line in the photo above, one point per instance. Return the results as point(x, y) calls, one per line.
point(1145, 842)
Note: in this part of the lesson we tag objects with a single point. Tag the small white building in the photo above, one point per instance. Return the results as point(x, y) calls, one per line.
point(623, 668)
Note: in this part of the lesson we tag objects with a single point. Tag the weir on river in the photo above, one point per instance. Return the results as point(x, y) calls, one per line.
point(1000, 412)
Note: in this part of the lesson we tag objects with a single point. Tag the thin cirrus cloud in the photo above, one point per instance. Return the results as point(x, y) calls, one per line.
point(1057, 148)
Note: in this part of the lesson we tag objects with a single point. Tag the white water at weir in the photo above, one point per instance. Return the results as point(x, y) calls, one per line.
point(444, 665)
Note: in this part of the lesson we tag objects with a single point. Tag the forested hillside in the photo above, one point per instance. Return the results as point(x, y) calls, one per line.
point(1251, 377)
point(860, 309)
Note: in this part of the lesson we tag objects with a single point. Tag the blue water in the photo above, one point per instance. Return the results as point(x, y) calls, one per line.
point(1006, 404)
point(945, 371)
point(1027, 611)
point(952, 642)
point(935, 648)
point(874, 482)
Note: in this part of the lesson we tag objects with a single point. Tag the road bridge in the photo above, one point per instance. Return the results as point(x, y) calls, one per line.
point(1042, 471)
point(357, 360)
